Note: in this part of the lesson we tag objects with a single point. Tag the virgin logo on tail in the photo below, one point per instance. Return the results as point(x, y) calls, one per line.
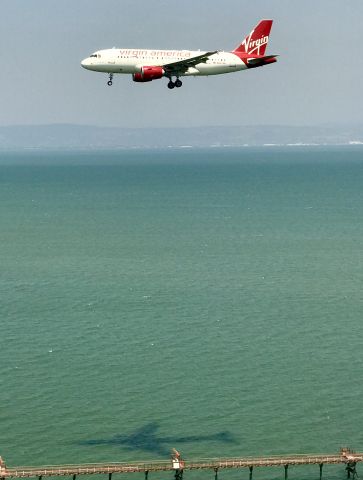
point(254, 46)
point(256, 42)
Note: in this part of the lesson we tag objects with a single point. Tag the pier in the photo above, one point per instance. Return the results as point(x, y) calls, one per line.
point(178, 466)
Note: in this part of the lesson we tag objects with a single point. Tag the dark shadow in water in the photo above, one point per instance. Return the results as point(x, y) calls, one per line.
point(146, 439)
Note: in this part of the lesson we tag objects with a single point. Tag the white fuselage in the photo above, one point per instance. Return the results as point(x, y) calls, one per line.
point(131, 61)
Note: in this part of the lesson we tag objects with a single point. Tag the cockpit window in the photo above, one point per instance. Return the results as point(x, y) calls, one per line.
point(94, 55)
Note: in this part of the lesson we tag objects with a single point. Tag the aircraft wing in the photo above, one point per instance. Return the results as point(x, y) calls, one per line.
point(182, 66)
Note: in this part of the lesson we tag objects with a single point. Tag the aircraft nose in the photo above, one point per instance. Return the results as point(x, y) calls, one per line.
point(85, 63)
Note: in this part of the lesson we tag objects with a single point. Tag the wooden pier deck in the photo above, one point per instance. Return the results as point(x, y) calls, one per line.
point(347, 458)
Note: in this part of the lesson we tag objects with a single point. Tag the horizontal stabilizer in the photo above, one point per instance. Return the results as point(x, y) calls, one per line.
point(258, 62)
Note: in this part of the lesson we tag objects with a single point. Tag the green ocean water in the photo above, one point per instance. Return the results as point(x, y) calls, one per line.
point(205, 300)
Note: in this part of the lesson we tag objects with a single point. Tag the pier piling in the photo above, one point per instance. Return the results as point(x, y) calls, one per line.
point(251, 472)
point(286, 468)
point(351, 470)
point(321, 471)
point(178, 475)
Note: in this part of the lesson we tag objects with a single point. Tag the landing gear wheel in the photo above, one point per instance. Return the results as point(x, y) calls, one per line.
point(171, 85)
point(110, 77)
point(178, 83)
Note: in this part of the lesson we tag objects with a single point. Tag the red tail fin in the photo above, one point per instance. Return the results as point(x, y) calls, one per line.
point(257, 40)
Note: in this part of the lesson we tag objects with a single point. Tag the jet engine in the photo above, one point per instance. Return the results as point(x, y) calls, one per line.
point(148, 73)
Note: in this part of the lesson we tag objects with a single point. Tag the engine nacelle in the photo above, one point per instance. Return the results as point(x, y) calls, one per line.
point(148, 73)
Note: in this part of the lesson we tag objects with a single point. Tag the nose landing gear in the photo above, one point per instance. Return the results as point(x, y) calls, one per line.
point(109, 83)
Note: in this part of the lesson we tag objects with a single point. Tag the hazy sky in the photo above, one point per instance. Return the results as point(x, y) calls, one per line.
point(318, 78)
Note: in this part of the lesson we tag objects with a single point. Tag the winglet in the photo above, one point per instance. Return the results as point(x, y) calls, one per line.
point(256, 42)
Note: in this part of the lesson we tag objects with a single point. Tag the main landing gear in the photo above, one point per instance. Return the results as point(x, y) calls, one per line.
point(109, 83)
point(178, 83)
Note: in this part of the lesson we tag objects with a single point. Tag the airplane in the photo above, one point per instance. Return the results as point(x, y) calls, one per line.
point(148, 65)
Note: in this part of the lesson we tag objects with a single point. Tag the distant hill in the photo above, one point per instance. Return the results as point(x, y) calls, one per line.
point(84, 137)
